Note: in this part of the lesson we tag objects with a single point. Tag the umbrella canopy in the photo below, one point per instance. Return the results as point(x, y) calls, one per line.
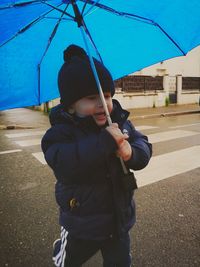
point(128, 35)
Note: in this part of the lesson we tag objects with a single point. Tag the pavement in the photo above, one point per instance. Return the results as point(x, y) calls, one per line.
point(40, 120)
point(167, 229)
point(171, 110)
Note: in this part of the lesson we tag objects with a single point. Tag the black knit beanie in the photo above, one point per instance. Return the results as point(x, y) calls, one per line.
point(76, 79)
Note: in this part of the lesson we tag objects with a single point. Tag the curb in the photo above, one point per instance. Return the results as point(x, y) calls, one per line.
point(167, 114)
point(14, 127)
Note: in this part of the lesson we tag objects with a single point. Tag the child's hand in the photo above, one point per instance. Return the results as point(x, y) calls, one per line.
point(124, 151)
point(116, 133)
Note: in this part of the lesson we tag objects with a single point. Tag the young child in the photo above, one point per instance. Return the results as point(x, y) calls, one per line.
point(96, 211)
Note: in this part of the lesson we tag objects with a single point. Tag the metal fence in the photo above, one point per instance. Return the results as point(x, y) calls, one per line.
point(191, 83)
point(140, 83)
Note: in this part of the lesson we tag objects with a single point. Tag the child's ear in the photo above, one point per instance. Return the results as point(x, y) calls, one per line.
point(71, 110)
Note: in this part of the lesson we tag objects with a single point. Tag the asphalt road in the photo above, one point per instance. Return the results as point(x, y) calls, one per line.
point(167, 232)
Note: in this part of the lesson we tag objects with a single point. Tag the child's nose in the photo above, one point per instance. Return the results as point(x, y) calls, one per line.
point(99, 102)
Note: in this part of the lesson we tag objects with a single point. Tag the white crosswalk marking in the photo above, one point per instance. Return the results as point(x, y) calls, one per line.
point(153, 138)
point(184, 125)
point(145, 127)
point(40, 156)
point(30, 142)
point(169, 135)
point(168, 165)
point(23, 134)
point(160, 167)
point(10, 151)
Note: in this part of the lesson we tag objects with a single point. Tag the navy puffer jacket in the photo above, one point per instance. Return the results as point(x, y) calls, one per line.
point(89, 191)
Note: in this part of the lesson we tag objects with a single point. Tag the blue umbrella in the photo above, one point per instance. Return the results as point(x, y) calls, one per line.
point(126, 35)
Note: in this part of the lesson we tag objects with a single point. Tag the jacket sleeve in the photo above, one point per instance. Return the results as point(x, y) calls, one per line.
point(74, 159)
point(141, 148)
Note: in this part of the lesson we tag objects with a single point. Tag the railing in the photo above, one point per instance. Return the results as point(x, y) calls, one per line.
point(191, 83)
point(140, 83)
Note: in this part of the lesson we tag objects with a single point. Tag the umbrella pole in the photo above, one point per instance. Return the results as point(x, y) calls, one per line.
point(80, 23)
point(96, 77)
point(100, 89)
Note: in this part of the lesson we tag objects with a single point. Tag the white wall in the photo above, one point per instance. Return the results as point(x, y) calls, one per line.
point(147, 99)
point(188, 66)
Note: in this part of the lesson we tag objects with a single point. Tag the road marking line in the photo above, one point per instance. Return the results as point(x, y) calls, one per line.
point(153, 138)
point(169, 135)
point(10, 151)
point(24, 134)
point(168, 165)
point(31, 142)
point(40, 156)
point(145, 127)
point(162, 166)
point(184, 125)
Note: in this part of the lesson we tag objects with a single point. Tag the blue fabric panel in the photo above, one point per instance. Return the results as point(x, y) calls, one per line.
point(161, 30)
point(14, 19)
point(19, 67)
point(179, 18)
point(127, 45)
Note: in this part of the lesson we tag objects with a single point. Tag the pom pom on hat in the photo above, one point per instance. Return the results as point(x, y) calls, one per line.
point(73, 50)
point(76, 79)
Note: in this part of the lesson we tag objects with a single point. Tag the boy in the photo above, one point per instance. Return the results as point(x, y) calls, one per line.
point(96, 211)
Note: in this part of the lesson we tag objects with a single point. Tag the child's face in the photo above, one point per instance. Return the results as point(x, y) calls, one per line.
point(92, 106)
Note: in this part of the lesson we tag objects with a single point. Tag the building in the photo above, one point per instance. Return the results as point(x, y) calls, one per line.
point(174, 81)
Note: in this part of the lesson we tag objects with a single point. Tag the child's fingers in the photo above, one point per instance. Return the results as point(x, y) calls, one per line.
point(126, 136)
point(124, 151)
point(114, 125)
point(117, 134)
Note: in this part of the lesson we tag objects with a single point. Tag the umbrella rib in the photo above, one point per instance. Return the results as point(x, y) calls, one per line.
point(26, 27)
point(47, 47)
point(52, 36)
point(84, 8)
point(48, 17)
point(92, 41)
point(20, 4)
point(90, 7)
point(58, 9)
point(170, 38)
point(119, 13)
point(54, 32)
point(133, 16)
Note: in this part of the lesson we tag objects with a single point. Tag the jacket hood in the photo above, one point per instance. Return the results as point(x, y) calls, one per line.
point(57, 115)
point(118, 114)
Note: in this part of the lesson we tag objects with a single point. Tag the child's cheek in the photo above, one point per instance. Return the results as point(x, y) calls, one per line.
point(87, 109)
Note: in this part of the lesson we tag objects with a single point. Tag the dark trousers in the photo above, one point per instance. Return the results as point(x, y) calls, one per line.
point(71, 252)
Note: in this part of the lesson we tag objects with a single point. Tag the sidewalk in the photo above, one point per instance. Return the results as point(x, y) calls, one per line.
point(171, 110)
point(23, 118)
